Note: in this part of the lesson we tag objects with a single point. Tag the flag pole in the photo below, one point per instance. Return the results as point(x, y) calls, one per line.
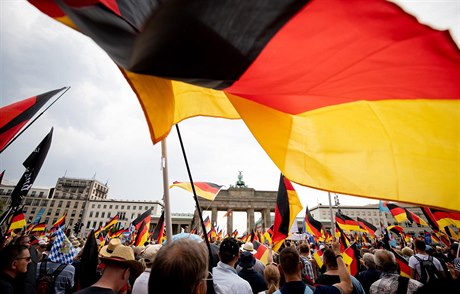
point(332, 215)
point(167, 207)
point(203, 228)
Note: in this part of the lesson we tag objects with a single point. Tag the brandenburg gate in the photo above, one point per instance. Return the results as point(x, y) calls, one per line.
point(239, 198)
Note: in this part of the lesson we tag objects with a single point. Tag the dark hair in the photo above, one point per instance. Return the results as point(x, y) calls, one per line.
point(9, 253)
point(304, 248)
point(329, 258)
point(420, 245)
point(178, 267)
point(228, 250)
point(289, 260)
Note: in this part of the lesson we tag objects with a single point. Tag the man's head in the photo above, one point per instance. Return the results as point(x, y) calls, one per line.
point(180, 267)
point(23, 240)
point(304, 249)
point(247, 260)
point(150, 253)
point(248, 247)
point(369, 260)
point(229, 250)
point(420, 245)
point(290, 261)
point(14, 259)
point(121, 265)
point(329, 259)
point(385, 260)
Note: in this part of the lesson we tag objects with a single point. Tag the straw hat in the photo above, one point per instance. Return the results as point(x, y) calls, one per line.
point(248, 246)
point(107, 250)
point(124, 255)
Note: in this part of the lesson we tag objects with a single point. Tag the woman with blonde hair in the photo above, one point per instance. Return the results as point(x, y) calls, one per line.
point(272, 277)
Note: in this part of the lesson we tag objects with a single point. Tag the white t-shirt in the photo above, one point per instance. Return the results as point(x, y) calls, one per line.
point(414, 263)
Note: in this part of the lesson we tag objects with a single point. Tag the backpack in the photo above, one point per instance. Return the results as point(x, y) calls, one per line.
point(45, 281)
point(428, 271)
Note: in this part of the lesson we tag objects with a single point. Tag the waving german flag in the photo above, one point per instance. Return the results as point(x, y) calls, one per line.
point(446, 218)
point(330, 89)
point(287, 207)
point(347, 223)
point(313, 226)
point(203, 189)
point(15, 116)
point(399, 213)
point(367, 226)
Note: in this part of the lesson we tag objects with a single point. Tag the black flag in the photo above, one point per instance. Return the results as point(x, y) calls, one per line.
point(33, 163)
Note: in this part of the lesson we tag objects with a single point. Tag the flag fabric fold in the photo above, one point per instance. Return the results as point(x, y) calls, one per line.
point(298, 114)
point(203, 189)
point(111, 222)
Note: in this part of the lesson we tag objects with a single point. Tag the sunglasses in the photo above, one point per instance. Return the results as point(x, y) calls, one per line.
point(28, 258)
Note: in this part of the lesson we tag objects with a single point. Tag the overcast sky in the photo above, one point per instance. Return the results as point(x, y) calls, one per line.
point(99, 127)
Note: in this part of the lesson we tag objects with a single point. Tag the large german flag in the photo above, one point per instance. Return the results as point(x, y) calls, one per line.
point(313, 226)
point(203, 189)
point(14, 116)
point(346, 223)
point(330, 88)
point(400, 214)
point(367, 226)
point(287, 208)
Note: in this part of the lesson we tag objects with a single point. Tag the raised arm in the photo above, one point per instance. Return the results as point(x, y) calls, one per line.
point(345, 286)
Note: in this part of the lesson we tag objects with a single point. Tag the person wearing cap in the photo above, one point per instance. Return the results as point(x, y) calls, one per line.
point(148, 256)
point(259, 266)
point(180, 267)
point(226, 279)
point(119, 266)
point(256, 280)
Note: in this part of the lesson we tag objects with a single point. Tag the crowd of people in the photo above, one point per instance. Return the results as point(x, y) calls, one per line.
point(227, 266)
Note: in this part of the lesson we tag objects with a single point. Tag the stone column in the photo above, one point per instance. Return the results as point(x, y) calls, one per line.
point(196, 223)
point(250, 219)
point(229, 222)
point(214, 216)
point(266, 219)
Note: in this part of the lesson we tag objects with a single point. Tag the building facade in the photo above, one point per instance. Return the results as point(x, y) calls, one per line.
point(85, 201)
